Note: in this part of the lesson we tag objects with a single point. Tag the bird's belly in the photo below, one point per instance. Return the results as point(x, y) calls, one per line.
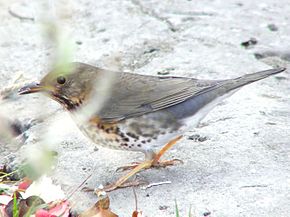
point(150, 131)
point(143, 133)
point(99, 136)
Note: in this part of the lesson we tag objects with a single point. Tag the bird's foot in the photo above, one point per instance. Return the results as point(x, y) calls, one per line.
point(112, 187)
point(163, 164)
point(155, 161)
point(137, 167)
point(128, 167)
point(158, 164)
point(123, 183)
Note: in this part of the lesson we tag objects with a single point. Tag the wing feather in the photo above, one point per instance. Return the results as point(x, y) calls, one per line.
point(136, 95)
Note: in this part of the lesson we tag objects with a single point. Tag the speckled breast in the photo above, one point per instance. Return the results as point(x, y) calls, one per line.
point(140, 133)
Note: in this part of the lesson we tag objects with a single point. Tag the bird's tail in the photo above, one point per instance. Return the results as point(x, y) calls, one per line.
point(250, 78)
point(208, 98)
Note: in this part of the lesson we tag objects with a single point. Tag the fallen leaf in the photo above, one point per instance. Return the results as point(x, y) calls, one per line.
point(137, 214)
point(101, 208)
point(24, 184)
point(43, 213)
point(60, 209)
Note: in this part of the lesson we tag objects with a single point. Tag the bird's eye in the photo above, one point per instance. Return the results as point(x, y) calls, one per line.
point(61, 80)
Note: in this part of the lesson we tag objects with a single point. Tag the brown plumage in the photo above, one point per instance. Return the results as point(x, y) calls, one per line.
point(137, 112)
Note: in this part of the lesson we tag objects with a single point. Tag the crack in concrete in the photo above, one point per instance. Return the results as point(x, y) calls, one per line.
point(154, 15)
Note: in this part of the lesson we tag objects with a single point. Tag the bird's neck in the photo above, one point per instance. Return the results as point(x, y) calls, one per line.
point(70, 104)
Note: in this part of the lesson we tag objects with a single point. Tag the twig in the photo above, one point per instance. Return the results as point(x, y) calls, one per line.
point(8, 174)
point(254, 186)
point(13, 14)
point(155, 184)
point(193, 13)
point(77, 188)
point(135, 197)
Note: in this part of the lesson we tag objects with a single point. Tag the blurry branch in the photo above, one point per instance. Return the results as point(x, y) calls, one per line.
point(55, 34)
point(64, 48)
point(101, 92)
point(38, 161)
point(102, 88)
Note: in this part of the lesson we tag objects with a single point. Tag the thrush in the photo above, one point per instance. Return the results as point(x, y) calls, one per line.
point(136, 112)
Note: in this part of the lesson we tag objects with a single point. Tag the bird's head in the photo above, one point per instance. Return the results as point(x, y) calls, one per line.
point(70, 85)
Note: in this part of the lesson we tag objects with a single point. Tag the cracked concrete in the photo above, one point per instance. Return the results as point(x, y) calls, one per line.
point(240, 169)
point(150, 12)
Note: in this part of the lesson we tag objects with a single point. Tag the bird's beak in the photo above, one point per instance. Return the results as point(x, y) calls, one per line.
point(31, 88)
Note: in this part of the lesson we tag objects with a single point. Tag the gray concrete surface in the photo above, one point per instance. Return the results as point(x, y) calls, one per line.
point(242, 166)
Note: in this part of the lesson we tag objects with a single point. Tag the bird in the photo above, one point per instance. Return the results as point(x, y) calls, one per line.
point(135, 112)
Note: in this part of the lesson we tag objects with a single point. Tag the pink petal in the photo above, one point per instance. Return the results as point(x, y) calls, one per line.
point(60, 209)
point(24, 185)
point(43, 213)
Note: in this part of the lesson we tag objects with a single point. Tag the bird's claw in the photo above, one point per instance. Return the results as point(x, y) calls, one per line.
point(163, 164)
point(158, 164)
point(112, 187)
point(127, 167)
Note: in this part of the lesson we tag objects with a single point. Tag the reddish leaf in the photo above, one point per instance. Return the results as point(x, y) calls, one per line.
point(61, 209)
point(21, 205)
point(43, 213)
point(34, 201)
point(137, 214)
point(24, 184)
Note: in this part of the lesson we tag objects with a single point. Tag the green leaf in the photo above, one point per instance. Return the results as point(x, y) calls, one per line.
point(176, 209)
point(15, 206)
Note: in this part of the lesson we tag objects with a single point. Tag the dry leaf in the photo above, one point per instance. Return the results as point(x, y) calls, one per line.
point(100, 209)
point(137, 214)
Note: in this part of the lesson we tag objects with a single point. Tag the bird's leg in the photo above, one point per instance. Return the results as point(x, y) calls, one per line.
point(156, 160)
point(153, 162)
point(151, 155)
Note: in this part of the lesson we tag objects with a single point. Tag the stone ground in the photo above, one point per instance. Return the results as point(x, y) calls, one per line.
point(236, 162)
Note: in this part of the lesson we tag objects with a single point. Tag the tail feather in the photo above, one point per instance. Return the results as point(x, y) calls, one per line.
point(250, 78)
point(202, 102)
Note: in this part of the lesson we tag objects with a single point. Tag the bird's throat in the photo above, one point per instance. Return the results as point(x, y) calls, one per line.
point(69, 104)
